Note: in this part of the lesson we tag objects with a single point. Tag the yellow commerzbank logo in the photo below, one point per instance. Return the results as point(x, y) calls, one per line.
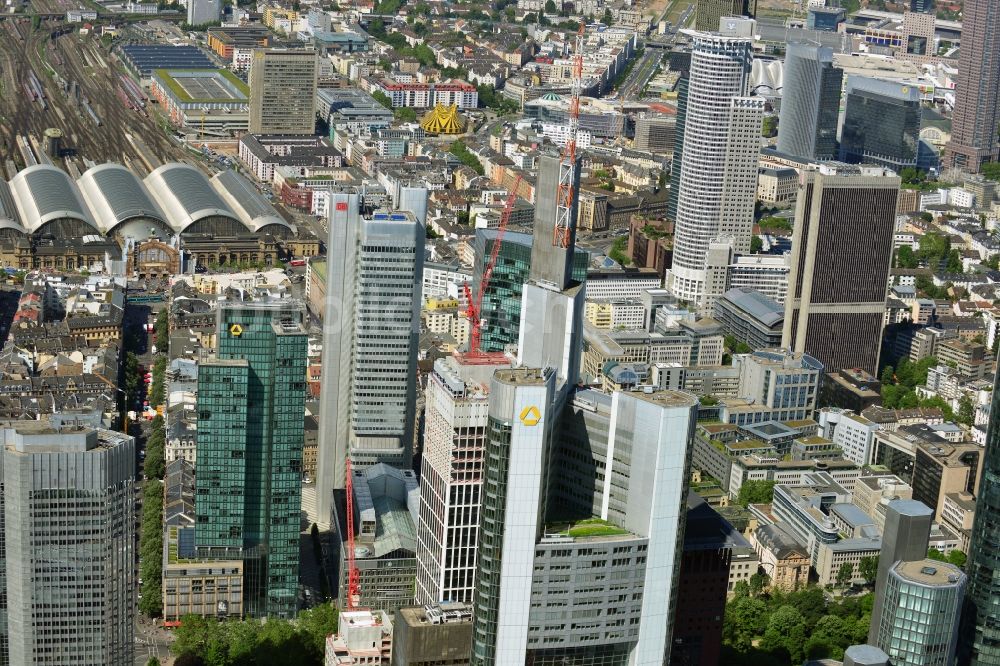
point(530, 416)
point(236, 330)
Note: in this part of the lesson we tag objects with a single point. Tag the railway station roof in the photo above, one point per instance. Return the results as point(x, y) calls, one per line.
point(185, 195)
point(254, 210)
point(9, 217)
point(44, 193)
point(144, 58)
point(116, 195)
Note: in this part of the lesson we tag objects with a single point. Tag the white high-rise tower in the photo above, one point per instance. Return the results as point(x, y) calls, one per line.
point(718, 177)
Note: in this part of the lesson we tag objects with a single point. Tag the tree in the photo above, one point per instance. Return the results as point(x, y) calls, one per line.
point(868, 568)
point(162, 330)
point(756, 245)
point(406, 114)
point(745, 619)
point(758, 583)
point(382, 98)
point(966, 410)
point(550, 7)
point(607, 19)
point(844, 574)
point(905, 257)
point(619, 251)
point(935, 554)
point(770, 126)
point(318, 623)
point(957, 557)
point(153, 661)
point(755, 492)
point(786, 631)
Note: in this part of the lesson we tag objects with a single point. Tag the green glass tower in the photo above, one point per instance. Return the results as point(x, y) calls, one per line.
point(251, 415)
point(501, 306)
point(979, 641)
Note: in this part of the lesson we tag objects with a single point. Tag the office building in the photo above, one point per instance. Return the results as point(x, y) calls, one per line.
point(655, 134)
point(750, 317)
point(455, 422)
point(841, 255)
point(438, 634)
point(810, 102)
point(570, 521)
point(251, 432)
point(904, 539)
point(881, 123)
point(977, 90)
point(501, 306)
point(69, 544)
point(980, 641)
point(202, 12)
point(372, 324)
point(709, 546)
point(718, 174)
point(386, 503)
point(708, 12)
point(283, 91)
point(920, 614)
point(923, 6)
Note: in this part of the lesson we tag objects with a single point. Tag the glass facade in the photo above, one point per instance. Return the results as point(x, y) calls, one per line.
point(881, 124)
point(501, 307)
point(251, 416)
point(980, 643)
point(487, 597)
point(920, 614)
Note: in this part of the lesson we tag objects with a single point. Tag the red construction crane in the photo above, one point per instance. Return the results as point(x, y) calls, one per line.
point(567, 167)
point(474, 309)
point(353, 577)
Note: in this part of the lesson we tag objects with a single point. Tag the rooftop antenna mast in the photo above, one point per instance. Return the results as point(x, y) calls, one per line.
point(567, 167)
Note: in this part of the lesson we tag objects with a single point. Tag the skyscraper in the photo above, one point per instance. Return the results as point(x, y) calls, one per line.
point(283, 91)
point(566, 505)
point(251, 430)
point(841, 255)
point(977, 91)
point(201, 12)
point(979, 644)
point(708, 12)
point(451, 479)
point(881, 123)
point(905, 535)
point(810, 102)
point(68, 536)
point(718, 173)
point(370, 333)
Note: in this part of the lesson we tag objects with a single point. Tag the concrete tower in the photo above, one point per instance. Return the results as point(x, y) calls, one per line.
point(282, 91)
point(718, 173)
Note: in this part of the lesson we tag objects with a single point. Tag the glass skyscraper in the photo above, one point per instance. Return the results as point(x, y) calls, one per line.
point(251, 417)
point(501, 307)
point(881, 123)
point(980, 639)
point(810, 102)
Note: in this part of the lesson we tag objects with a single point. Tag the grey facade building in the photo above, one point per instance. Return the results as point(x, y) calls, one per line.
point(655, 133)
point(918, 625)
point(750, 317)
point(881, 123)
point(282, 91)
point(605, 522)
point(977, 91)
point(370, 333)
point(905, 537)
point(69, 546)
point(386, 502)
point(432, 635)
point(201, 12)
point(717, 182)
point(810, 102)
point(842, 243)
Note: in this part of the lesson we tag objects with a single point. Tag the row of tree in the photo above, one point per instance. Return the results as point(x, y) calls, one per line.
point(781, 628)
point(207, 642)
point(151, 549)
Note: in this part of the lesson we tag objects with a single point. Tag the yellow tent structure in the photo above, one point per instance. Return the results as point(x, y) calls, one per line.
point(443, 120)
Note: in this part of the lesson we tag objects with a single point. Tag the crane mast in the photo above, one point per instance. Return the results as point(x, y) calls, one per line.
point(353, 577)
point(567, 166)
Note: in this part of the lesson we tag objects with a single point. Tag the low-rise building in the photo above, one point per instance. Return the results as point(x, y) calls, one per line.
point(439, 634)
point(363, 637)
point(750, 317)
point(782, 558)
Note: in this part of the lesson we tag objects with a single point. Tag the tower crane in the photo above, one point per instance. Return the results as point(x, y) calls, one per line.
point(567, 166)
point(353, 576)
point(474, 309)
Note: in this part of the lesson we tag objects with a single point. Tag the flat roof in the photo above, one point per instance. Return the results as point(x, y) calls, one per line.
point(191, 85)
point(145, 58)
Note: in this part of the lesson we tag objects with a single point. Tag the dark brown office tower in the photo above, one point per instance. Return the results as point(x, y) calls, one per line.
point(701, 597)
point(841, 255)
point(977, 92)
point(708, 12)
